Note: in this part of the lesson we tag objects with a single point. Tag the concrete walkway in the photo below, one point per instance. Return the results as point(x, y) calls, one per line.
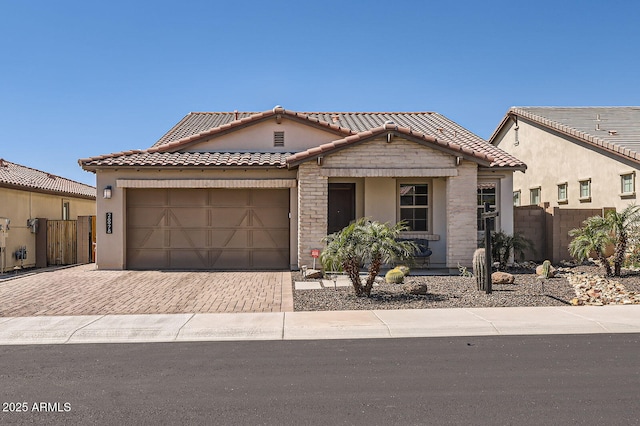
point(318, 325)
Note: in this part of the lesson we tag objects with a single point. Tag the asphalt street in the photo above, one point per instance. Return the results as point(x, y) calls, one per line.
point(525, 380)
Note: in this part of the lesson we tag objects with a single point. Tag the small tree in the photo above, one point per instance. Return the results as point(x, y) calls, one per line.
point(621, 225)
point(593, 237)
point(366, 242)
point(503, 244)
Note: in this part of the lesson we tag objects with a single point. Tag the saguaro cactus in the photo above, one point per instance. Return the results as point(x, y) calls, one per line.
point(479, 268)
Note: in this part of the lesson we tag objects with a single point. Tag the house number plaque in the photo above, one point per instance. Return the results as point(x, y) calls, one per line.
point(109, 223)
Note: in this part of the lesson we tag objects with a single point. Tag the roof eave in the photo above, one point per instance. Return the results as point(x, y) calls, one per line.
point(46, 191)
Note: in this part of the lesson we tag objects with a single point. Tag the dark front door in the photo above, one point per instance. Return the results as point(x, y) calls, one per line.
point(342, 205)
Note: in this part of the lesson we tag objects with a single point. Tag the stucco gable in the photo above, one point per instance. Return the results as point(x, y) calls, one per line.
point(260, 137)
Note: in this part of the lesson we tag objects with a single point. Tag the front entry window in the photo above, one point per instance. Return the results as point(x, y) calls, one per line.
point(414, 205)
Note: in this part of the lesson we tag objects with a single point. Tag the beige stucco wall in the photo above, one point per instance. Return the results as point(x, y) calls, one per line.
point(259, 138)
point(19, 206)
point(111, 247)
point(552, 159)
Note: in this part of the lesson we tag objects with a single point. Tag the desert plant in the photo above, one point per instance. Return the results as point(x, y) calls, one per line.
point(464, 272)
point(503, 244)
point(394, 276)
point(621, 224)
point(366, 242)
point(546, 269)
point(593, 237)
point(404, 269)
point(479, 268)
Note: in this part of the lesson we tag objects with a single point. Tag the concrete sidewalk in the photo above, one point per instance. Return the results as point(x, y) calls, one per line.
point(318, 325)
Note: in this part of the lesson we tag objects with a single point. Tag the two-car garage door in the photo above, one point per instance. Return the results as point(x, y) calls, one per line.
point(219, 229)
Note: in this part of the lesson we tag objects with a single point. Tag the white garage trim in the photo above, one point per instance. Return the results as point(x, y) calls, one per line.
point(206, 183)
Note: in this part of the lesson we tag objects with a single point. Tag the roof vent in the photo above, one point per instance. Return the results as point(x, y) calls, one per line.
point(335, 118)
point(278, 139)
point(613, 132)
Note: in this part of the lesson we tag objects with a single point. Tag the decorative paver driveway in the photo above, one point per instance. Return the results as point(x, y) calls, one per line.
point(83, 290)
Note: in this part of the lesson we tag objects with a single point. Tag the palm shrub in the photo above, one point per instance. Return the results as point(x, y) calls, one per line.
point(593, 237)
point(621, 225)
point(366, 242)
point(503, 244)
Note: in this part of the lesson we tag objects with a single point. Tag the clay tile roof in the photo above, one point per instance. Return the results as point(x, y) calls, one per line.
point(193, 159)
point(349, 127)
point(21, 177)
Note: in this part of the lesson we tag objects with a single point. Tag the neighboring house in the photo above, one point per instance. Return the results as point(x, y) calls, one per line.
point(242, 190)
point(576, 157)
point(580, 160)
point(28, 194)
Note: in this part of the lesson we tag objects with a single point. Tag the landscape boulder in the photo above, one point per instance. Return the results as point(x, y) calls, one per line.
point(415, 288)
point(502, 278)
point(552, 271)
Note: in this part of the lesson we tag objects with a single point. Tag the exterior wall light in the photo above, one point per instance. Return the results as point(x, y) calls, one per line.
point(107, 192)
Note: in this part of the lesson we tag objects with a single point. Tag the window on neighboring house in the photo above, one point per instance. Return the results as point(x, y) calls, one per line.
point(516, 198)
point(66, 210)
point(628, 184)
point(534, 196)
point(278, 139)
point(486, 194)
point(585, 190)
point(562, 193)
point(414, 205)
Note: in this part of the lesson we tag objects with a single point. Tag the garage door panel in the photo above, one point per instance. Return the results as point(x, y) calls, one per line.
point(269, 239)
point(188, 197)
point(230, 197)
point(187, 239)
point(183, 216)
point(230, 217)
point(148, 259)
point(207, 229)
point(146, 237)
point(270, 197)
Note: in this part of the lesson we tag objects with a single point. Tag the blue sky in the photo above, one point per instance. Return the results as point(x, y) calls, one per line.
point(83, 78)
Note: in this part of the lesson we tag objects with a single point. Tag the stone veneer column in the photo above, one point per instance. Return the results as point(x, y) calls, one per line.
point(462, 228)
point(313, 195)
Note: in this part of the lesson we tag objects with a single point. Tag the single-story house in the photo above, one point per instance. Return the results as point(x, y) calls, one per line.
point(259, 190)
point(26, 195)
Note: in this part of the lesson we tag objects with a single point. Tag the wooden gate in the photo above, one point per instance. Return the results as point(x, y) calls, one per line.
point(62, 242)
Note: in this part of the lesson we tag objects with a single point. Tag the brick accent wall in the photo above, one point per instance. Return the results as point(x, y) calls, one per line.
point(462, 227)
point(399, 154)
point(313, 193)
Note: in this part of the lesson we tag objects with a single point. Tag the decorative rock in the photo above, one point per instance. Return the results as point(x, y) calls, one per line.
point(417, 289)
point(313, 274)
point(596, 290)
point(552, 271)
point(502, 278)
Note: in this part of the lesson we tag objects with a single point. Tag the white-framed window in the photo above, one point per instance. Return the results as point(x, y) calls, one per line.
point(66, 210)
point(628, 184)
point(585, 190)
point(414, 205)
point(486, 194)
point(517, 195)
point(534, 196)
point(563, 192)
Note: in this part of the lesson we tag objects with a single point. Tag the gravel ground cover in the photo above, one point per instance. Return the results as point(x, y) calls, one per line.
point(455, 292)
